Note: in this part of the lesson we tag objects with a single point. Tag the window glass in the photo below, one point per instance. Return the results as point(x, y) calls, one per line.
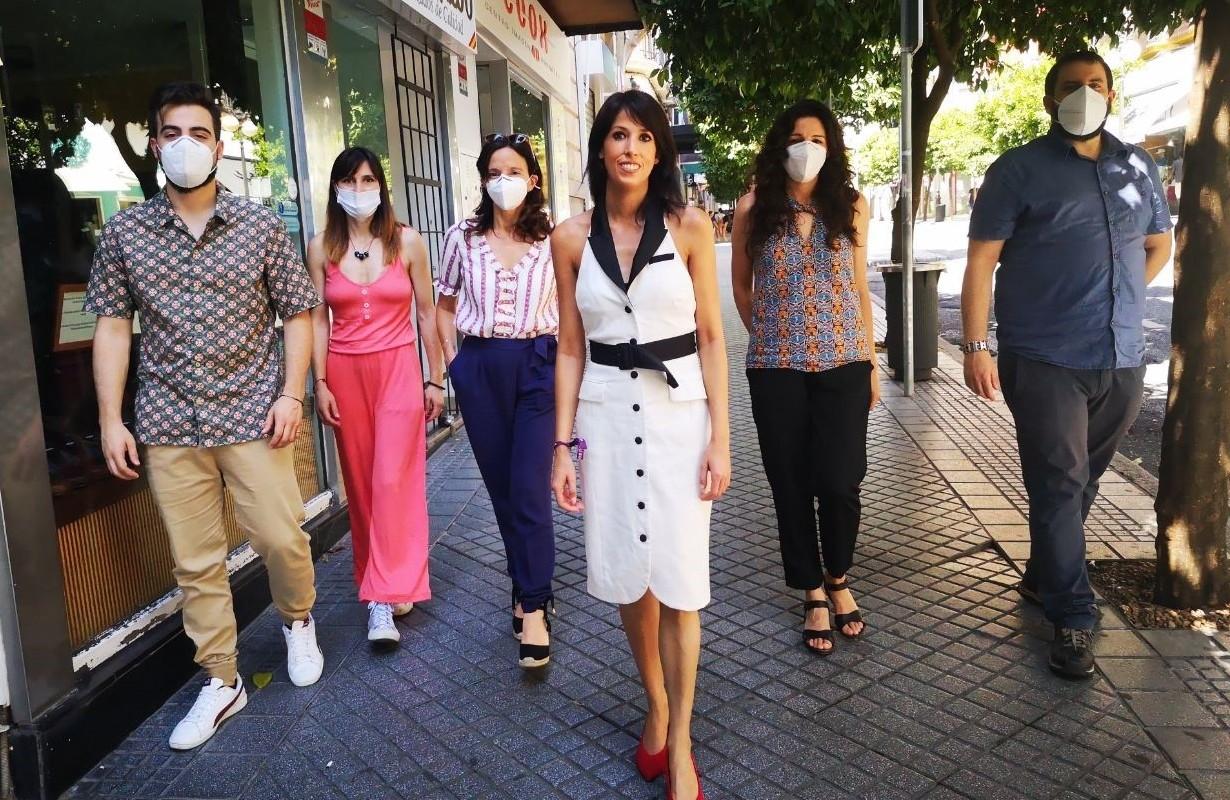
point(78, 75)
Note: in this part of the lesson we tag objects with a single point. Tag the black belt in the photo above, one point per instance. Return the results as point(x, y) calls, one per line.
point(647, 355)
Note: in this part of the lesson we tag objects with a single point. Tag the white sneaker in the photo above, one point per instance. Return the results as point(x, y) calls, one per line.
point(402, 609)
point(380, 627)
point(304, 661)
point(216, 703)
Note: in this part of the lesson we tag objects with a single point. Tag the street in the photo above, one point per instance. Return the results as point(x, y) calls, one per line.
point(946, 241)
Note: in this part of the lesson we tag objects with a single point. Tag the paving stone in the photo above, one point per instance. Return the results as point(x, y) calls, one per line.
point(1182, 643)
point(1195, 748)
point(1210, 785)
point(1174, 709)
point(1120, 643)
point(1139, 673)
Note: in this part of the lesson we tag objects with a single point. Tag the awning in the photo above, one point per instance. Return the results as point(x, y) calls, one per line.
point(577, 17)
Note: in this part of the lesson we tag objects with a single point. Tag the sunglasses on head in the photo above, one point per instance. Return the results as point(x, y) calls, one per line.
point(505, 138)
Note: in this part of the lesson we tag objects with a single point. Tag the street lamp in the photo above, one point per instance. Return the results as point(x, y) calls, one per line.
point(241, 126)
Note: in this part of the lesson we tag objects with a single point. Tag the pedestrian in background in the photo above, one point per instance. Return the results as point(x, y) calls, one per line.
point(497, 287)
point(799, 271)
point(374, 275)
point(1078, 222)
point(637, 279)
point(217, 403)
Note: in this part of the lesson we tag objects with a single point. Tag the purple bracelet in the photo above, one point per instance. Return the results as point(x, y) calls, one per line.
point(578, 443)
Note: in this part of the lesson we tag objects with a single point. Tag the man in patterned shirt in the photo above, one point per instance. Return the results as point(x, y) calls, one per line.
point(208, 272)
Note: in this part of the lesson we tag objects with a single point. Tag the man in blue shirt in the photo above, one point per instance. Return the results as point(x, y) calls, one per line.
point(1078, 222)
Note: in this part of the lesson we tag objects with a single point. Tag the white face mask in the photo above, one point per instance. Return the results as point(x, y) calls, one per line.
point(359, 205)
point(804, 160)
point(508, 191)
point(187, 163)
point(1083, 113)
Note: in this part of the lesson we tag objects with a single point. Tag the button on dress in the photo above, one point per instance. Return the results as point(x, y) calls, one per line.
point(646, 527)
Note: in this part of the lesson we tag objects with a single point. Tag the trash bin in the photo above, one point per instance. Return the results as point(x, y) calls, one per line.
point(926, 318)
point(941, 211)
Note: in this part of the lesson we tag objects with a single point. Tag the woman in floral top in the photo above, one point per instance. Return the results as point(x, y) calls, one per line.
point(799, 268)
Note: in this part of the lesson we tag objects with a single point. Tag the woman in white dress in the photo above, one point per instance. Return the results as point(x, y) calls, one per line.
point(636, 279)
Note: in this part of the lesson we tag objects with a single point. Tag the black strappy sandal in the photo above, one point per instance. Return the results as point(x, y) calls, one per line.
point(840, 621)
point(535, 656)
point(811, 634)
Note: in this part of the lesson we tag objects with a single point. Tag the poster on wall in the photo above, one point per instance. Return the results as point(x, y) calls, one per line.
point(314, 26)
point(454, 17)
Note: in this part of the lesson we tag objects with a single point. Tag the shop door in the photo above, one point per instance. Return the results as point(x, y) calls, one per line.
point(422, 147)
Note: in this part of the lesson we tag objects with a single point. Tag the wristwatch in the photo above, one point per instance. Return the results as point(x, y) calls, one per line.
point(974, 347)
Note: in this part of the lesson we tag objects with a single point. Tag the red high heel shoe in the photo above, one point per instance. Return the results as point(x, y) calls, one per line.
point(651, 765)
point(700, 790)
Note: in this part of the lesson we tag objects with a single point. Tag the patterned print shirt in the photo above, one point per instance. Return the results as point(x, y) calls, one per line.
point(210, 365)
point(494, 302)
point(806, 311)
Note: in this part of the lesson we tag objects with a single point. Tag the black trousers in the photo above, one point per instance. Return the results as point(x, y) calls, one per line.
point(812, 428)
point(1068, 425)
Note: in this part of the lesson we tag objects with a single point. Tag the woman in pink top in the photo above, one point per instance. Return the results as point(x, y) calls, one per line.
point(497, 287)
point(369, 385)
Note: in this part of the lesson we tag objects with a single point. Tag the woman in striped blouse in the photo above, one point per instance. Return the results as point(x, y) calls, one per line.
point(497, 289)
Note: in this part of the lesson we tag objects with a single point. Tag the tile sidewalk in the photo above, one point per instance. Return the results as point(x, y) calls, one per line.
point(947, 697)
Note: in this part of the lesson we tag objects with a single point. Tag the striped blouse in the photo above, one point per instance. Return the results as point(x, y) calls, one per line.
point(494, 302)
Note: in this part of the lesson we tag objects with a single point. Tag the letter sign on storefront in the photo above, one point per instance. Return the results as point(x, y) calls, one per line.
point(527, 31)
point(454, 17)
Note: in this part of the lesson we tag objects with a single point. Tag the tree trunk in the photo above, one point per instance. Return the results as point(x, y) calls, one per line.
point(925, 108)
point(1193, 502)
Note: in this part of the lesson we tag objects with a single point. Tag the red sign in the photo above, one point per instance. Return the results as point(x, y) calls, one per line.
point(314, 27)
point(533, 21)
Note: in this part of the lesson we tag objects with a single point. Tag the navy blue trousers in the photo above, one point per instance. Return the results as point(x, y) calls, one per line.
point(1068, 425)
point(506, 390)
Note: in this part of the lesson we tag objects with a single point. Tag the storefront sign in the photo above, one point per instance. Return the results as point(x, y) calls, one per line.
point(314, 26)
point(524, 29)
point(454, 17)
point(463, 78)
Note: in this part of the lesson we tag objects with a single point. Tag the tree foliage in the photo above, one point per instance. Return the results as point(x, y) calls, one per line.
point(1011, 113)
point(737, 63)
point(877, 161)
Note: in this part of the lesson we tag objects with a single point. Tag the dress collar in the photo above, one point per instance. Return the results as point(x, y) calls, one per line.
point(603, 243)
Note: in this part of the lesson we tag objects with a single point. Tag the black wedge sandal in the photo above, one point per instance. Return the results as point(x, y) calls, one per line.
point(811, 634)
point(534, 656)
point(840, 621)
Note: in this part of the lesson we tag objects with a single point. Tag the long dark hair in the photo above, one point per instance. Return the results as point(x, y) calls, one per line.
point(834, 195)
point(664, 178)
point(533, 224)
point(385, 226)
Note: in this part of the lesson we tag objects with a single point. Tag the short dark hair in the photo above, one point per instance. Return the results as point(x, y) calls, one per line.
point(1077, 57)
point(183, 93)
point(664, 184)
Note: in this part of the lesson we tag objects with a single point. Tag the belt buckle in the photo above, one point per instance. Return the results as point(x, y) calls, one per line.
point(625, 356)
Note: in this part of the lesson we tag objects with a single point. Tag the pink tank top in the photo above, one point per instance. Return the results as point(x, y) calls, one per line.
point(369, 317)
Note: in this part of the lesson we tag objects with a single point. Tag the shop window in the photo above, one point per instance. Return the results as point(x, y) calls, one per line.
point(78, 76)
point(529, 116)
point(354, 41)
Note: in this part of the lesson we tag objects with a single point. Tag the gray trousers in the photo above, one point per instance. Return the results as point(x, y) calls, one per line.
point(1068, 423)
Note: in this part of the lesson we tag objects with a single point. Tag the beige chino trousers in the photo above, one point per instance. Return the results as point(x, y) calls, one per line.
point(187, 483)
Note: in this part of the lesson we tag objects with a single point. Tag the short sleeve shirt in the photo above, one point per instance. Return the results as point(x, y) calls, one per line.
point(210, 364)
point(492, 300)
point(1070, 289)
